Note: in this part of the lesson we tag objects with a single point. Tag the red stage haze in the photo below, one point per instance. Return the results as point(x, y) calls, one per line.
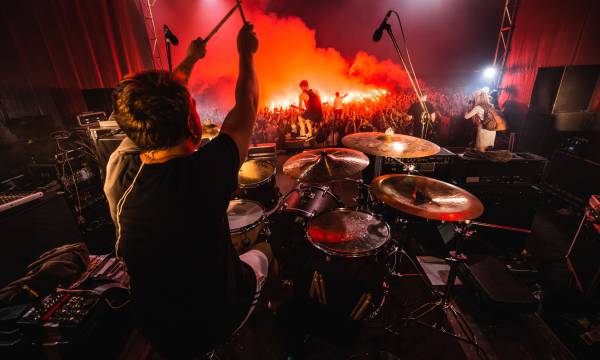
point(288, 53)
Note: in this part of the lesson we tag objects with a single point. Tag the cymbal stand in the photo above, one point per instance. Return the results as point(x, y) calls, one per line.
point(409, 168)
point(441, 307)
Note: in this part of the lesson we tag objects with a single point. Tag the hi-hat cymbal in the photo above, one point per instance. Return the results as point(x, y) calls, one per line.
point(392, 145)
point(210, 131)
point(326, 164)
point(426, 197)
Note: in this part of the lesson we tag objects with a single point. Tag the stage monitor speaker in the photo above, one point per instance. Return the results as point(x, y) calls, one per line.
point(571, 177)
point(106, 140)
point(576, 88)
point(583, 257)
point(564, 89)
point(545, 88)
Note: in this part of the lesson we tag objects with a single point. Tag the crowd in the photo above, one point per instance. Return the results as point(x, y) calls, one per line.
point(377, 113)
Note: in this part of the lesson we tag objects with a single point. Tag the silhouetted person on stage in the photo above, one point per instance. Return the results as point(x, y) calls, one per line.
point(310, 101)
point(422, 116)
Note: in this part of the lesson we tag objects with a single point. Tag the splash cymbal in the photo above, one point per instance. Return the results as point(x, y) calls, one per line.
point(426, 197)
point(390, 145)
point(326, 164)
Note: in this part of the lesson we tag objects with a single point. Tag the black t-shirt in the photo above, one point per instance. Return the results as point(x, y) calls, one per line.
point(189, 288)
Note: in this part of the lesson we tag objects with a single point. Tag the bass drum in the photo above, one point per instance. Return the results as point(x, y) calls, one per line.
point(288, 224)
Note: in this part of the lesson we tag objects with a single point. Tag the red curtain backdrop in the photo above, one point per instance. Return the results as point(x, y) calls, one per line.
point(548, 33)
point(51, 49)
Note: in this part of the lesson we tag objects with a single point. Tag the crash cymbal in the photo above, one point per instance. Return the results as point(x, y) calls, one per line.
point(210, 131)
point(326, 164)
point(426, 197)
point(390, 145)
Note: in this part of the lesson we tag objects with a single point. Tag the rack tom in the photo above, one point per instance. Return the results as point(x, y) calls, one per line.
point(256, 181)
point(288, 224)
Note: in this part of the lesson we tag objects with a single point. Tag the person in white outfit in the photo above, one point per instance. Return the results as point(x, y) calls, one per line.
point(481, 103)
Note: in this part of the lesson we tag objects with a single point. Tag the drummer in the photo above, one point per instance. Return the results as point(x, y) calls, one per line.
point(169, 205)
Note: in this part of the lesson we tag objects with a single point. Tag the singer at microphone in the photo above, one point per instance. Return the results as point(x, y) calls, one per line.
point(384, 25)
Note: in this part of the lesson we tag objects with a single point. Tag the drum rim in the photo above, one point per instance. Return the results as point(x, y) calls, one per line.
point(260, 183)
point(251, 226)
point(349, 255)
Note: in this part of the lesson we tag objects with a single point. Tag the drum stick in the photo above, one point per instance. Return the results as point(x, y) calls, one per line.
point(358, 304)
point(313, 285)
point(322, 287)
point(242, 11)
point(362, 309)
point(214, 31)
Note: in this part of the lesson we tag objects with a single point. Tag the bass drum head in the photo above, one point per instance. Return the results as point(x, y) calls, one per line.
point(348, 233)
point(244, 214)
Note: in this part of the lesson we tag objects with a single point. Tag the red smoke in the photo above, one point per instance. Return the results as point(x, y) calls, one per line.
point(287, 54)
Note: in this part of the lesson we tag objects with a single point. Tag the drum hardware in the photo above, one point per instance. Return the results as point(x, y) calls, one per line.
point(441, 307)
point(317, 288)
point(364, 200)
point(409, 168)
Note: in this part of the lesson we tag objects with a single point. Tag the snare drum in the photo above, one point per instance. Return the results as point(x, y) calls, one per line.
point(346, 270)
point(246, 221)
point(256, 181)
point(288, 224)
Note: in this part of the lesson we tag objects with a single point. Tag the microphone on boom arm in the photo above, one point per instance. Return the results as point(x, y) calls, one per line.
point(169, 36)
point(379, 32)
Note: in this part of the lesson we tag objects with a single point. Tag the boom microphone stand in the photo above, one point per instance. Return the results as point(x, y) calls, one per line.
point(410, 72)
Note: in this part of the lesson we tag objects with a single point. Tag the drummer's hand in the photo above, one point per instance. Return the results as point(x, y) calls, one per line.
point(247, 42)
point(197, 49)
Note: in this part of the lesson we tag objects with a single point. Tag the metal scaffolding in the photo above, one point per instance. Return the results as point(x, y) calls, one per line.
point(146, 7)
point(504, 37)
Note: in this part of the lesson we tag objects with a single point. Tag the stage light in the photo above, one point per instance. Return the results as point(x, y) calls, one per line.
point(490, 72)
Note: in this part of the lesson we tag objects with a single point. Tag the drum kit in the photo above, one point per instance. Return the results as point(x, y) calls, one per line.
point(339, 257)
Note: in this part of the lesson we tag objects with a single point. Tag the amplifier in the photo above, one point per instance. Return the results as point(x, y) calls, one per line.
point(264, 151)
point(91, 118)
point(436, 166)
point(522, 168)
point(495, 286)
point(583, 257)
point(105, 140)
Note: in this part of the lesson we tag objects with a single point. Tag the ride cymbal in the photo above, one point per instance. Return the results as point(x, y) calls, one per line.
point(390, 145)
point(426, 197)
point(326, 164)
